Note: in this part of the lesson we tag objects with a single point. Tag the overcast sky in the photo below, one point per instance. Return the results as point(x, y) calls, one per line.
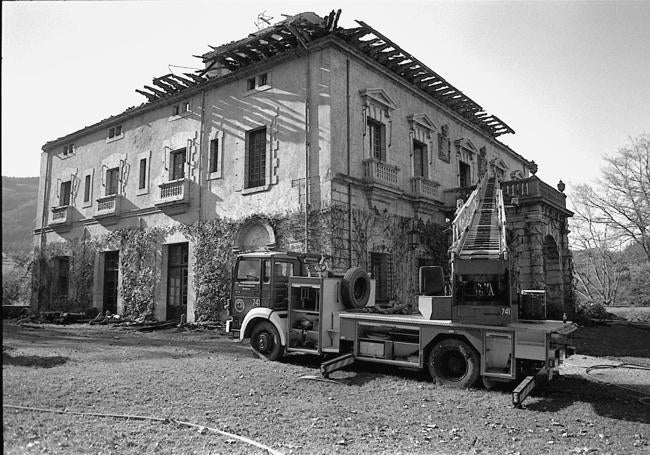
point(571, 78)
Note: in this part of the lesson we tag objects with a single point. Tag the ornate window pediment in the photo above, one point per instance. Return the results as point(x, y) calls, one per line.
point(378, 97)
point(465, 144)
point(421, 122)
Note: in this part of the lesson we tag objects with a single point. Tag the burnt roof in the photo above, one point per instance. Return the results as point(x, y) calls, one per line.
point(298, 31)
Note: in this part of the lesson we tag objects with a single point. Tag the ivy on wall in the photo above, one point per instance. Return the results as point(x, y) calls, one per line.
point(76, 293)
point(213, 260)
point(407, 241)
point(213, 251)
point(140, 267)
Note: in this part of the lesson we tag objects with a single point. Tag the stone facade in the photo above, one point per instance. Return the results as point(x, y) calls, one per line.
point(319, 124)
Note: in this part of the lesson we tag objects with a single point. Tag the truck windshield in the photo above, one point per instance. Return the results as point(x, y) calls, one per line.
point(248, 270)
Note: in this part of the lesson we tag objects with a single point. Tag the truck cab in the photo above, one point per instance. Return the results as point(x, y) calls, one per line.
point(260, 280)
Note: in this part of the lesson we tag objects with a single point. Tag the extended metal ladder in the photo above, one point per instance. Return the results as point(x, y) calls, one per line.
point(479, 225)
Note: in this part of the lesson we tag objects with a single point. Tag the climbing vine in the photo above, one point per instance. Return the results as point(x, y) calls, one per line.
point(140, 267)
point(61, 286)
point(213, 260)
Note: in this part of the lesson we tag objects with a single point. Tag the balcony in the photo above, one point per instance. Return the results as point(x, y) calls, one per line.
point(532, 190)
point(173, 193)
point(515, 192)
point(60, 216)
point(108, 206)
point(422, 187)
point(378, 172)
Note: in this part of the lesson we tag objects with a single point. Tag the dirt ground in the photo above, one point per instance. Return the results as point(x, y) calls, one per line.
point(213, 381)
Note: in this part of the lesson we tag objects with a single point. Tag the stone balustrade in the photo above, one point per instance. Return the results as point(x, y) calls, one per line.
point(423, 187)
point(175, 191)
point(60, 216)
point(380, 172)
point(108, 205)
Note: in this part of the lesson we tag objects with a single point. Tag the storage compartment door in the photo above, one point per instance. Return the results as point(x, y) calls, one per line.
point(498, 354)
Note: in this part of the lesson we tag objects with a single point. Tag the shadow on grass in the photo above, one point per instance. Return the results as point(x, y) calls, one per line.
point(357, 374)
point(607, 400)
point(33, 360)
point(615, 340)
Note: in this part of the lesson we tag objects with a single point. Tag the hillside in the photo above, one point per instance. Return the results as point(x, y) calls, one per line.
point(18, 212)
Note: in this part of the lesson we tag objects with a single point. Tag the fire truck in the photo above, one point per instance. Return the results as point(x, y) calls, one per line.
point(289, 303)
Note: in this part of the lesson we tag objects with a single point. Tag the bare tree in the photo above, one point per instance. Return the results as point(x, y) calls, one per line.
point(597, 257)
point(621, 199)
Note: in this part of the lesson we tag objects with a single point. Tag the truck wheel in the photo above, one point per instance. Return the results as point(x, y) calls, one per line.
point(355, 288)
point(265, 340)
point(453, 362)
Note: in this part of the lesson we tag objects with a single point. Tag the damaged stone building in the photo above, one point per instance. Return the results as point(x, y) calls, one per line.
point(304, 136)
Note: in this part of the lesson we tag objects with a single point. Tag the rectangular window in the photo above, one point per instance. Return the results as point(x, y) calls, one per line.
point(465, 176)
point(64, 194)
point(381, 271)
point(87, 188)
point(377, 133)
point(420, 160)
point(250, 83)
point(263, 79)
point(142, 180)
point(177, 170)
point(112, 180)
point(256, 158)
point(181, 108)
point(214, 155)
point(62, 276)
point(115, 131)
point(68, 149)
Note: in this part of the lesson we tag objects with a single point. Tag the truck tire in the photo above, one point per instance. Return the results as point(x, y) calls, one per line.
point(355, 288)
point(454, 363)
point(265, 340)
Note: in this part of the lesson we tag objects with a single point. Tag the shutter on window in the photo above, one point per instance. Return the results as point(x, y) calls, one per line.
point(240, 160)
point(74, 186)
point(383, 142)
point(124, 169)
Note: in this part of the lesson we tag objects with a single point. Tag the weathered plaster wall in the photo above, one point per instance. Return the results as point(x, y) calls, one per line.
point(364, 75)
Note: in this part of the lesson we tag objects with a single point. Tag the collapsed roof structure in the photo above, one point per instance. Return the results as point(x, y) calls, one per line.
point(299, 32)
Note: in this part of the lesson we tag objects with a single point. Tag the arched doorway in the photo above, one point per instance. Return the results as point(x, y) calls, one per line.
point(553, 278)
point(255, 235)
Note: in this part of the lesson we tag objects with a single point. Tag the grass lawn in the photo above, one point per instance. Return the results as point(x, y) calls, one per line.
point(208, 379)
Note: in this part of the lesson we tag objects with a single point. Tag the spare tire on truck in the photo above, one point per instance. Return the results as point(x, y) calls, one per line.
point(355, 288)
